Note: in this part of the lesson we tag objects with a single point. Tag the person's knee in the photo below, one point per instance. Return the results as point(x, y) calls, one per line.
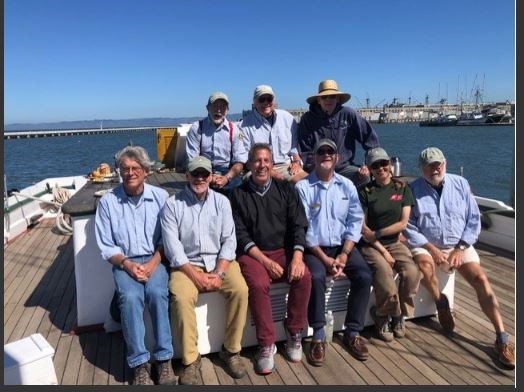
point(411, 273)
point(426, 265)
point(130, 298)
point(318, 277)
point(480, 280)
point(361, 276)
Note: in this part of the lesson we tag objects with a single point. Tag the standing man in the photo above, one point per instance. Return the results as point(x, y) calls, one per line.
point(335, 222)
point(217, 139)
point(129, 236)
point(327, 118)
point(200, 245)
point(443, 226)
point(277, 128)
point(271, 228)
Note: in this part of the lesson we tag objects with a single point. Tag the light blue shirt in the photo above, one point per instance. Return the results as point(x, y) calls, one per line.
point(198, 232)
point(282, 136)
point(216, 144)
point(443, 220)
point(123, 227)
point(333, 210)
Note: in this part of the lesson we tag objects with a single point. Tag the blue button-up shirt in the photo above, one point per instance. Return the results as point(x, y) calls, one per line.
point(282, 136)
point(123, 227)
point(333, 210)
point(198, 232)
point(446, 219)
point(216, 144)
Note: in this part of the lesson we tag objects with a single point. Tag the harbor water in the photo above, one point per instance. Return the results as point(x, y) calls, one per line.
point(485, 155)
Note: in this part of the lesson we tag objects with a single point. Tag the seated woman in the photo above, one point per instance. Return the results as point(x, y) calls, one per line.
point(387, 204)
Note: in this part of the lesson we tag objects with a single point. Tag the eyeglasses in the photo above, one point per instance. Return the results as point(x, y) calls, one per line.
point(325, 151)
point(265, 99)
point(328, 96)
point(379, 164)
point(131, 169)
point(200, 173)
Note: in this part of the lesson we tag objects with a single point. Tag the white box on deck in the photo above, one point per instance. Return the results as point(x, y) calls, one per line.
point(29, 361)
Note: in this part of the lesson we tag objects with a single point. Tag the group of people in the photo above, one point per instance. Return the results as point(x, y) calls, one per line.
point(303, 212)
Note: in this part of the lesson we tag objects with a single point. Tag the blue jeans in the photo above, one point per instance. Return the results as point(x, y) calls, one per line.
point(131, 298)
point(360, 277)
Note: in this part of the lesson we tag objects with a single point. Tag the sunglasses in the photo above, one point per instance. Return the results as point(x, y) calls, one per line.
point(200, 173)
point(379, 164)
point(328, 96)
point(265, 99)
point(325, 151)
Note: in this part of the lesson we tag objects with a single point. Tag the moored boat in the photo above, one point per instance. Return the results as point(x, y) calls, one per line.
point(447, 120)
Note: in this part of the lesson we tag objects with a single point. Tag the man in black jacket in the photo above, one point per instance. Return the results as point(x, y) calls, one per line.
point(327, 118)
point(271, 228)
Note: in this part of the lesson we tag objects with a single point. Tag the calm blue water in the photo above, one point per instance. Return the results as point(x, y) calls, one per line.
point(485, 153)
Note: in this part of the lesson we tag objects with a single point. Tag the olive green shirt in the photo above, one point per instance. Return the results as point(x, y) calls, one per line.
point(383, 206)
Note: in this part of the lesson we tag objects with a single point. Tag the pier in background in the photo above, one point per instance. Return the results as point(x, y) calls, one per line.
point(71, 132)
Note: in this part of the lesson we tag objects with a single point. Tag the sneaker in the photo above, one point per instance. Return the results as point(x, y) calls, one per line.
point(445, 317)
point(265, 362)
point(398, 325)
point(506, 354)
point(294, 346)
point(142, 375)
point(189, 375)
point(381, 325)
point(164, 373)
point(233, 362)
point(356, 346)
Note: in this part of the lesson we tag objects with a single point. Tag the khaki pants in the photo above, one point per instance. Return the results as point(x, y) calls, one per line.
point(183, 316)
point(390, 300)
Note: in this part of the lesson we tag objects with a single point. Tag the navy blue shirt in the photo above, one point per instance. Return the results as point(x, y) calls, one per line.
point(344, 126)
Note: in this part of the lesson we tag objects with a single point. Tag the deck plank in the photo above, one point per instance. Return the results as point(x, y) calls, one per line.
point(28, 294)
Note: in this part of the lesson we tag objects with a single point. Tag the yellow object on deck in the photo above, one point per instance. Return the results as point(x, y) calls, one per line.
point(166, 140)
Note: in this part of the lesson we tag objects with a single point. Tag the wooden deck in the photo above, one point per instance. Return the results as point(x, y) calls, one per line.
point(39, 297)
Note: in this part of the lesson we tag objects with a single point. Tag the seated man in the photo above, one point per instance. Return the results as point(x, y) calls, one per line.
point(200, 244)
point(271, 228)
point(335, 222)
point(128, 234)
point(387, 203)
point(277, 128)
point(443, 226)
point(327, 118)
point(217, 138)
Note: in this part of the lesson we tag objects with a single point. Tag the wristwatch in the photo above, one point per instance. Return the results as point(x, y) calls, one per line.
point(221, 275)
point(462, 245)
point(121, 264)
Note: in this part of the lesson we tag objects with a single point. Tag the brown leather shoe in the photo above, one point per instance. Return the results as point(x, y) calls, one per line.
point(317, 352)
point(356, 347)
point(445, 317)
point(506, 354)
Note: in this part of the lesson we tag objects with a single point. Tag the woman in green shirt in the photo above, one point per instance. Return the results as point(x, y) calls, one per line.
point(387, 202)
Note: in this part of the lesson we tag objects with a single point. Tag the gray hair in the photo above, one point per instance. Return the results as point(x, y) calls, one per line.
point(258, 146)
point(136, 153)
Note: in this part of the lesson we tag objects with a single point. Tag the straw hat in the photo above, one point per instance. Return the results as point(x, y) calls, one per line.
point(329, 87)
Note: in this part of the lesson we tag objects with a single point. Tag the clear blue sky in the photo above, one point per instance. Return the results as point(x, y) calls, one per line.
point(118, 59)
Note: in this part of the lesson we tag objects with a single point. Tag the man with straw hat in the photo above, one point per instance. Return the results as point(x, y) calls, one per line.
point(327, 118)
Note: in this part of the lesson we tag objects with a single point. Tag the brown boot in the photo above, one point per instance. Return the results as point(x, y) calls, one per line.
point(233, 362)
point(164, 373)
point(189, 375)
point(142, 375)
